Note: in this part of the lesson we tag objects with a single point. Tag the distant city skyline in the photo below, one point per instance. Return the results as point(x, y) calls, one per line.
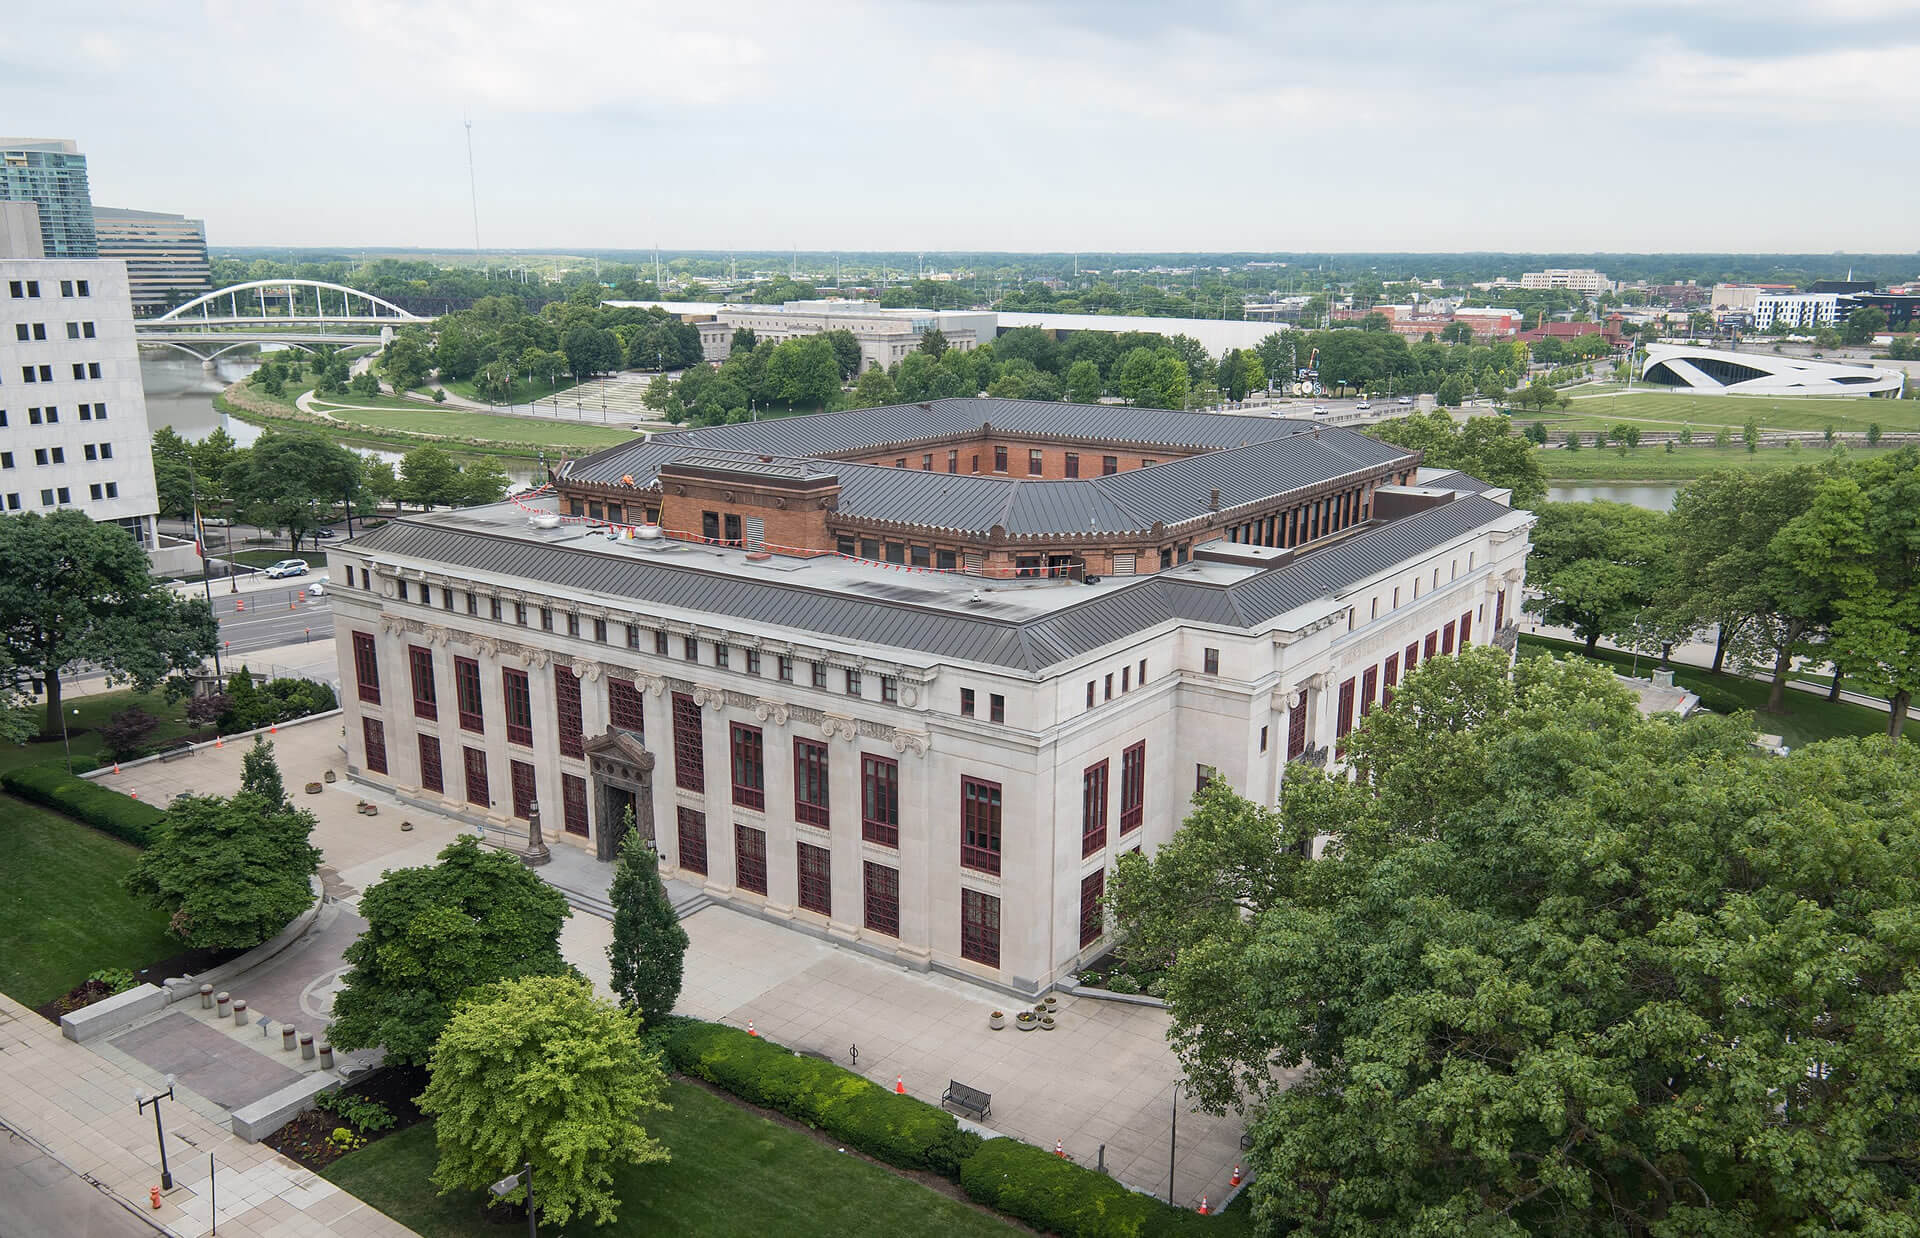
point(1114, 126)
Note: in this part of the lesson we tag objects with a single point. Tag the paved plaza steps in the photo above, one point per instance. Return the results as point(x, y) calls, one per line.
point(584, 881)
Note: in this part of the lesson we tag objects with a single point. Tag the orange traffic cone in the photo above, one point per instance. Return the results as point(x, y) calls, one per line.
point(750, 1030)
point(133, 795)
point(1203, 1205)
point(116, 767)
point(1236, 1176)
point(219, 741)
point(274, 729)
point(291, 606)
point(900, 1085)
point(239, 605)
point(1057, 1149)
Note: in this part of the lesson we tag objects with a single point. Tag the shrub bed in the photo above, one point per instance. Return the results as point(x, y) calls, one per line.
point(899, 1130)
point(119, 815)
point(1033, 1185)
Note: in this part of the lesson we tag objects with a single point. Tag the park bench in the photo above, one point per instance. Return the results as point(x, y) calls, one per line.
point(178, 748)
point(967, 1100)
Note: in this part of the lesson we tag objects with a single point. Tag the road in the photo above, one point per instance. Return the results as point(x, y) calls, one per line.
point(272, 617)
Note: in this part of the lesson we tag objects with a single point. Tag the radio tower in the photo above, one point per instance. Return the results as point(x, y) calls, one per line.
point(473, 191)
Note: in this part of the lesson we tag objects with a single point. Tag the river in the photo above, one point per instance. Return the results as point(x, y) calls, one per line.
point(180, 394)
point(1654, 497)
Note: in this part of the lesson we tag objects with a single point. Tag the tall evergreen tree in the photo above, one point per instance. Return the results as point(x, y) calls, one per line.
point(648, 954)
point(260, 773)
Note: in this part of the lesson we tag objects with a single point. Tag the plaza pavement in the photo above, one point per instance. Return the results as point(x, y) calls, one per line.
point(1105, 1076)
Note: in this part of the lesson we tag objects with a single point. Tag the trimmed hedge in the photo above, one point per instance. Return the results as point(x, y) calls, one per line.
point(1033, 1185)
point(899, 1130)
point(1014, 1178)
point(116, 814)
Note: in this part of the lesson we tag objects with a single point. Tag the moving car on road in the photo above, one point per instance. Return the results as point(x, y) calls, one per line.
point(287, 567)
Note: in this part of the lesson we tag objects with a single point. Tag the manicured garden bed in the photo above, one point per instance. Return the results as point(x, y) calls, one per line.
point(733, 1172)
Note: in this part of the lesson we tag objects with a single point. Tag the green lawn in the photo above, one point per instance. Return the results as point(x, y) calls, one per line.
point(733, 1173)
point(523, 391)
point(1646, 463)
point(82, 728)
point(1771, 412)
point(415, 418)
point(63, 914)
point(1809, 717)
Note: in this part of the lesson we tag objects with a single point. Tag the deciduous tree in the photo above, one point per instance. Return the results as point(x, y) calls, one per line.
point(1595, 565)
point(290, 478)
point(434, 934)
point(233, 872)
point(539, 1071)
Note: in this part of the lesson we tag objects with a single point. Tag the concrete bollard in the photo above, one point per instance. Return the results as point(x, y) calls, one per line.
point(239, 1012)
point(306, 1046)
point(206, 997)
point(326, 1056)
point(286, 1037)
point(221, 1005)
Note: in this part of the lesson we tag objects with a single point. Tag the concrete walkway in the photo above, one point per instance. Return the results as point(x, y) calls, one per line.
point(77, 1109)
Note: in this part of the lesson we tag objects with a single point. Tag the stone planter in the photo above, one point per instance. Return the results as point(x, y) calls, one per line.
point(1026, 1020)
point(997, 1020)
point(313, 788)
point(328, 776)
point(405, 826)
point(1049, 1001)
point(1046, 1023)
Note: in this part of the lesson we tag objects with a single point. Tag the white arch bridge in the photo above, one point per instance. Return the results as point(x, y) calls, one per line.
point(299, 313)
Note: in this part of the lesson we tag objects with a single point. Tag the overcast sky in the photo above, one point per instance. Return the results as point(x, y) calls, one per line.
point(1765, 125)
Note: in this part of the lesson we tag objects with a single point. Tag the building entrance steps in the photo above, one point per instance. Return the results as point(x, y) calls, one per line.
point(584, 881)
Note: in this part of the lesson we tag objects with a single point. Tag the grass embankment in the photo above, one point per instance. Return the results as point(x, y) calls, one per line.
point(63, 914)
point(522, 390)
point(1645, 463)
point(1664, 410)
point(405, 424)
point(733, 1172)
point(1808, 719)
point(83, 729)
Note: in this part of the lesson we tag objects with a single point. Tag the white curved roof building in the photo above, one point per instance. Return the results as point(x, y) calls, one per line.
point(1718, 372)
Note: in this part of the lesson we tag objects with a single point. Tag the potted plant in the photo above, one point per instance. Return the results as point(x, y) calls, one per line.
point(1046, 1023)
point(1026, 1020)
point(328, 776)
point(997, 1020)
point(1050, 1001)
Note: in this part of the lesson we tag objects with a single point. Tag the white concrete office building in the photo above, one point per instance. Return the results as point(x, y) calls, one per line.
point(815, 721)
point(73, 414)
point(1579, 279)
point(1799, 310)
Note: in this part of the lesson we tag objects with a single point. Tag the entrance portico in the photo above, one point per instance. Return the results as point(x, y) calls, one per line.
point(622, 771)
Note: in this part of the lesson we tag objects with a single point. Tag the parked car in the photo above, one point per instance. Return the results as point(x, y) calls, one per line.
point(216, 522)
point(287, 567)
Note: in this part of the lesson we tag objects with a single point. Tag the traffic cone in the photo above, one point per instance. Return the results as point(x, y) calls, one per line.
point(291, 606)
point(900, 1085)
point(239, 605)
point(133, 795)
point(219, 741)
point(274, 729)
point(1058, 1150)
point(1203, 1205)
point(750, 1030)
point(116, 767)
point(1236, 1176)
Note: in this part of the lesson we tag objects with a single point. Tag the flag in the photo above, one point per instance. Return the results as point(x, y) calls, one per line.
point(199, 535)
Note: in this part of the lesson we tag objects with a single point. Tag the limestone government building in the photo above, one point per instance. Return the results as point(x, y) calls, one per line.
point(910, 678)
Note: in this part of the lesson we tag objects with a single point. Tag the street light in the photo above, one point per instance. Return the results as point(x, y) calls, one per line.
point(143, 1100)
point(64, 743)
point(513, 1182)
point(1173, 1139)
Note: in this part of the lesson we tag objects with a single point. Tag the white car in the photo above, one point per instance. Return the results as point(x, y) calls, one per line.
point(1362, 407)
point(1319, 410)
point(1405, 399)
point(318, 588)
point(287, 567)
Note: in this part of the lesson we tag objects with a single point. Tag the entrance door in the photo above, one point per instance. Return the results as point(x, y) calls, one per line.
point(615, 803)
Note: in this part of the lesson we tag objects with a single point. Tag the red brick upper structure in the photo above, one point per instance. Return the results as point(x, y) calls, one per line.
point(1000, 488)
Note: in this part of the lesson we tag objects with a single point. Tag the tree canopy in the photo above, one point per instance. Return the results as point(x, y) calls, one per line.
point(292, 479)
point(434, 934)
point(77, 591)
point(538, 1070)
point(1597, 566)
point(1559, 970)
point(1485, 447)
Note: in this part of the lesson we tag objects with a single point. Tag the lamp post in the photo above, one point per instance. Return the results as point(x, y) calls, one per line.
point(143, 1100)
point(64, 742)
point(1173, 1139)
point(513, 1182)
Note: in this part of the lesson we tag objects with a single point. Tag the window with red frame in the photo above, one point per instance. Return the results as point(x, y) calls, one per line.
point(1093, 919)
point(1093, 808)
point(431, 776)
point(1343, 724)
point(466, 691)
point(1446, 639)
point(980, 825)
point(420, 663)
point(816, 878)
point(624, 709)
point(1389, 677)
point(810, 782)
point(1297, 730)
point(999, 459)
point(1466, 629)
point(693, 840)
point(519, 699)
point(566, 709)
point(980, 927)
point(1369, 683)
point(750, 858)
point(880, 890)
point(1499, 611)
point(520, 777)
point(375, 733)
point(1133, 787)
point(1433, 646)
point(366, 668)
point(689, 745)
point(1413, 656)
point(880, 800)
point(476, 771)
point(749, 767)
point(573, 804)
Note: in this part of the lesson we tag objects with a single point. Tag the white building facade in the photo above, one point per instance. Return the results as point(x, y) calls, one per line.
point(1580, 279)
point(1799, 310)
point(73, 414)
point(923, 765)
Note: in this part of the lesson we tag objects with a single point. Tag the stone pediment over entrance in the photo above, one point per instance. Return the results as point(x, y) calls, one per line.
point(621, 746)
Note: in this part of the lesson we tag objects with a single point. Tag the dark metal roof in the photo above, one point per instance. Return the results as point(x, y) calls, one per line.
point(1246, 458)
point(942, 623)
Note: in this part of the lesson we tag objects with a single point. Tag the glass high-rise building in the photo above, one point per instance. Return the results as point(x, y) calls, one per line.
point(166, 255)
point(52, 174)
